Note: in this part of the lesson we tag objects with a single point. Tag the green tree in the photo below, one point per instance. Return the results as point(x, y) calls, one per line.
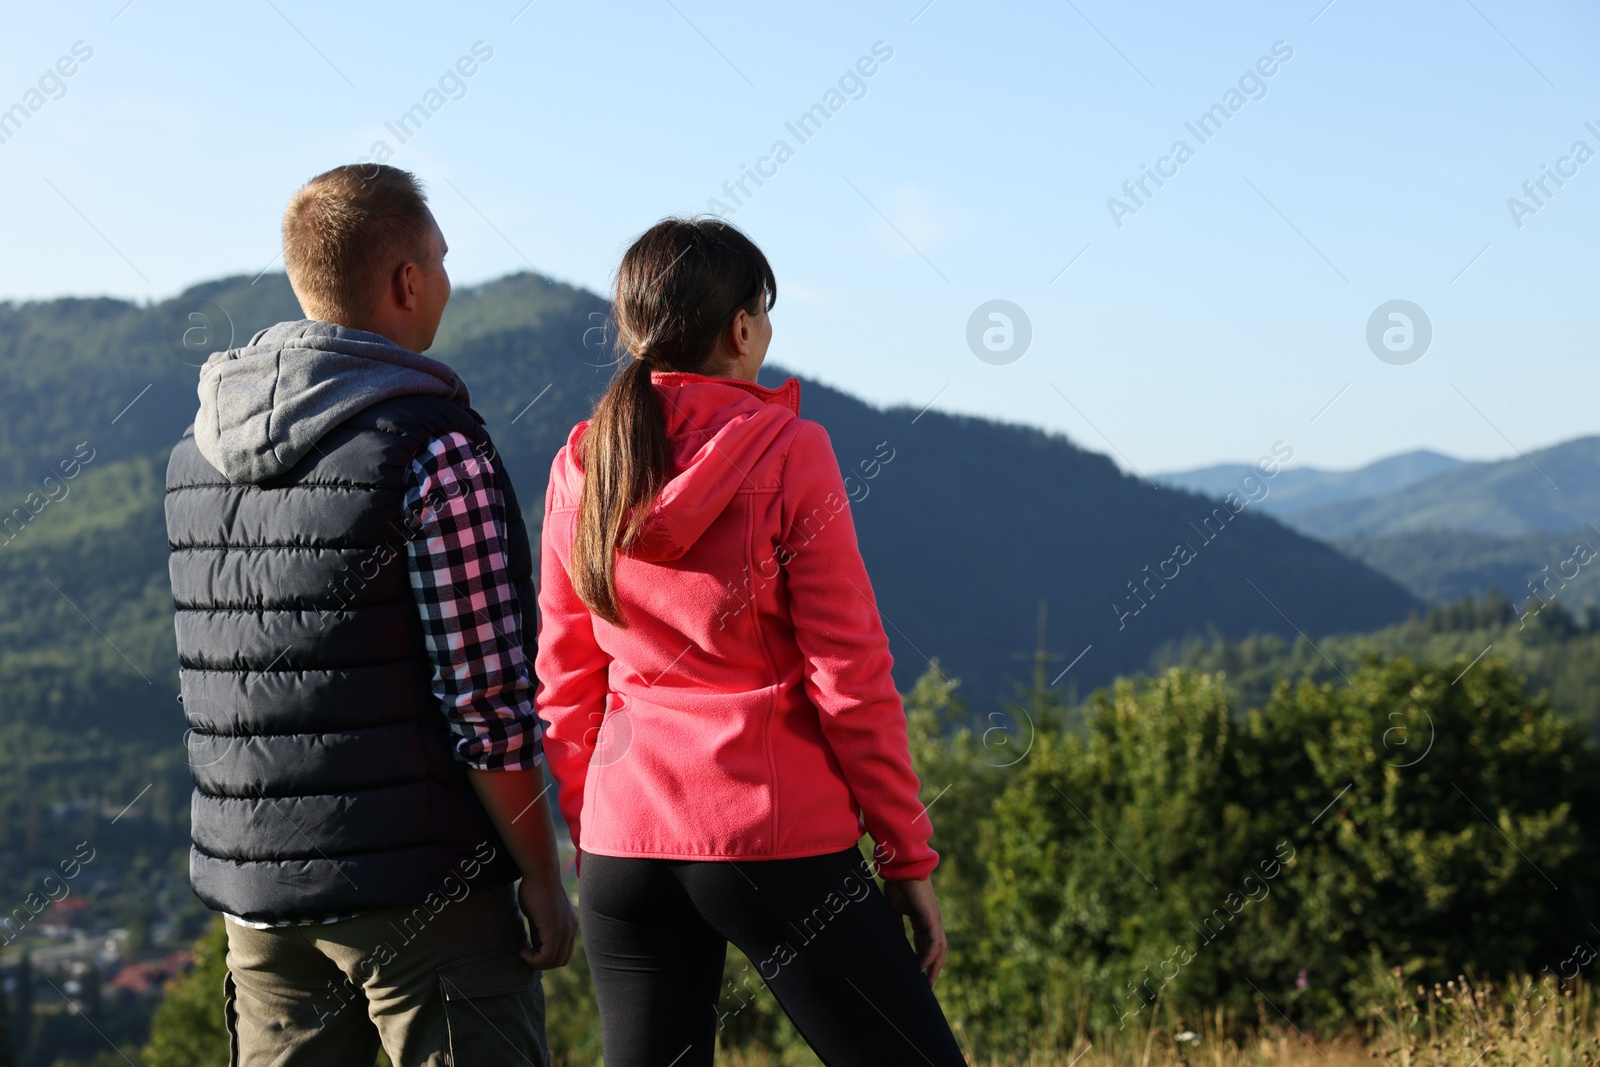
point(8, 1054)
point(1443, 817)
point(22, 1010)
point(1102, 853)
point(188, 1029)
point(1174, 858)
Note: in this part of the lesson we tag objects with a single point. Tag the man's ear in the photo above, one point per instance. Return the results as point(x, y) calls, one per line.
point(402, 286)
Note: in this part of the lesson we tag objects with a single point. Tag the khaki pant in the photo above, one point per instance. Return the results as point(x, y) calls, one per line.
point(436, 989)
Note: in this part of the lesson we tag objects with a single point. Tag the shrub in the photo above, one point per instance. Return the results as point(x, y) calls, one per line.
point(1171, 852)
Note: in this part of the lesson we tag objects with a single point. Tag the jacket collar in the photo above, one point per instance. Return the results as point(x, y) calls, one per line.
point(787, 394)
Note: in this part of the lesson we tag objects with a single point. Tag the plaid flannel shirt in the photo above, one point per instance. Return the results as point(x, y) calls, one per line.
point(471, 622)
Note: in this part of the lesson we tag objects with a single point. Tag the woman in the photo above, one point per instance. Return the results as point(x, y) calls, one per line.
point(715, 682)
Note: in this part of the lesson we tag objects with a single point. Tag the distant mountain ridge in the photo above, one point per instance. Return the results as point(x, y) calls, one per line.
point(1552, 490)
point(1297, 489)
point(1527, 526)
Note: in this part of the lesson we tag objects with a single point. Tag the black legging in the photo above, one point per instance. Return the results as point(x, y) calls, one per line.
point(818, 930)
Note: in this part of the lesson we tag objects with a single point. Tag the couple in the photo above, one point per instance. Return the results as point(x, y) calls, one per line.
point(371, 709)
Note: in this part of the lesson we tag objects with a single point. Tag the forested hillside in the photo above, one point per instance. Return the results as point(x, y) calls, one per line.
point(1558, 654)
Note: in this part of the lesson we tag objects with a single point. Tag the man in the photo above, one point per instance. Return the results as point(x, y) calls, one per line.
point(355, 621)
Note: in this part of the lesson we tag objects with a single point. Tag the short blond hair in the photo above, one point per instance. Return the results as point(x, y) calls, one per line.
point(344, 231)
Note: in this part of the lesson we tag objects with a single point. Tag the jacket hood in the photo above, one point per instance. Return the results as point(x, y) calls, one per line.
point(717, 429)
point(265, 405)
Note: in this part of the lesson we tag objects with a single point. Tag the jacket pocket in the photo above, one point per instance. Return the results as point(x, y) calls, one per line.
point(494, 1010)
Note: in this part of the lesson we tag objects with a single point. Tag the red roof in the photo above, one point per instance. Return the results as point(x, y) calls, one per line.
point(139, 977)
point(143, 977)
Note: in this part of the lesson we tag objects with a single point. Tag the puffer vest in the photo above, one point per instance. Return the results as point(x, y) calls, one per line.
point(325, 783)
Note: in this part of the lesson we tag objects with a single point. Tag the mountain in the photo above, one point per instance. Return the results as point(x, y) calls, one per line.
point(1553, 490)
point(966, 524)
point(1445, 528)
point(1297, 489)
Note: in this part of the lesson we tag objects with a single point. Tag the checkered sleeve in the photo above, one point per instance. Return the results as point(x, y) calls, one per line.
point(471, 621)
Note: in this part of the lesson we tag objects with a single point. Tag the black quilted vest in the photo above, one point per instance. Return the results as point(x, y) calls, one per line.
point(324, 777)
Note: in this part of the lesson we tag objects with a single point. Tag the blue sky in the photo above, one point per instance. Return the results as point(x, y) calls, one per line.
point(1227, 312)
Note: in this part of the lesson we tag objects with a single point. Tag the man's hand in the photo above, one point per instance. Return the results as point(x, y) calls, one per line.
point(914, 899)
point(518, 805)
point(555, 924)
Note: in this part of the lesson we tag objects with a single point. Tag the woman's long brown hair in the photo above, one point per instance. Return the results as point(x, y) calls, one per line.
point(678, 288)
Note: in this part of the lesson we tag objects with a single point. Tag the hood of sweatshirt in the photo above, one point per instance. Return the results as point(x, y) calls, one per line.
point(717, 429)
point(265, 405)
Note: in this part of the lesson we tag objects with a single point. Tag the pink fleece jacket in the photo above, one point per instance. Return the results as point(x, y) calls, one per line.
point(747, 711)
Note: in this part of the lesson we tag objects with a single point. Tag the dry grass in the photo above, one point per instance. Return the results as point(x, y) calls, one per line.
point(1462, 1023)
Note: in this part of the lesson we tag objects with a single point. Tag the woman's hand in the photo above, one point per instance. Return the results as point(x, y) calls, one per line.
point(914, 898)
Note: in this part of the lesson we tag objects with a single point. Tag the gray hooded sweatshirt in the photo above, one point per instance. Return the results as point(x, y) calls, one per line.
point(264, 406)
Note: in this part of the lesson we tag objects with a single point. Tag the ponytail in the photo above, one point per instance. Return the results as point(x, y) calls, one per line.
point(678, 287)
point(624, 455)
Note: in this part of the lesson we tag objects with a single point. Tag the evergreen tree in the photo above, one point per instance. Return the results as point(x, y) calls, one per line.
point(24, 1006)
point(8, 1055)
